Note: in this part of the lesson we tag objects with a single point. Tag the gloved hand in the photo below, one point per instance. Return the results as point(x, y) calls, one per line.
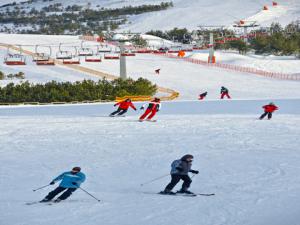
point(142, 108)
point(74, 183)
point(194, 171)
point(134, 109)
point(179, 169)
point(115, 104)
point(52, 182)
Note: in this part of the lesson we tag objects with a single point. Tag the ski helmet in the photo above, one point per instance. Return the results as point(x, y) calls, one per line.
point(76, 168)
point(187, 156)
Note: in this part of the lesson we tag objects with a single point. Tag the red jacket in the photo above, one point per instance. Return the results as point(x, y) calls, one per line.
point(270, 108)
point(125, 105)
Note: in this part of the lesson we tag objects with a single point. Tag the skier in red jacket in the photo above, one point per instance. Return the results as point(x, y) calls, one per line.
point(123, 107)
point(153, 107)
point(224, 92)
point(202, 96)
point(269, 109)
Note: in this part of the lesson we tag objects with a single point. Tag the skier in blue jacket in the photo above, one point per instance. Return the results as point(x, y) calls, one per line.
point(70, 181)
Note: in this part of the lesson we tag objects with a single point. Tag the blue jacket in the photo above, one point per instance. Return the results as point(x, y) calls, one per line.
point(67, 179)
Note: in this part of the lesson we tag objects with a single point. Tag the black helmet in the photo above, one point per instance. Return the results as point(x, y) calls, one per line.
point(187, 156)
point(76, 168)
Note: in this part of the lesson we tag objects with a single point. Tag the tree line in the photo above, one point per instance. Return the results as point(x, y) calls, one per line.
point(276, 40)
point(86, 90)
point(55, 19)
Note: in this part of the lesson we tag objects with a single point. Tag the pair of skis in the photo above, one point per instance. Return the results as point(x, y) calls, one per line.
point(188, 195)
point(44, 203)
point(148, 120)
point(138, 120)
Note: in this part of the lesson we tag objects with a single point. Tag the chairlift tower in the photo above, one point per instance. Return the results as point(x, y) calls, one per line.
point(211, 57)
point(121, 42)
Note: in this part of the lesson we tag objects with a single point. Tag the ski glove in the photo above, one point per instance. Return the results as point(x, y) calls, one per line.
point(52, 182)
point(142, 108)
point(194, 171)
point(179, 169)
point(74, 183)
point(115, 104)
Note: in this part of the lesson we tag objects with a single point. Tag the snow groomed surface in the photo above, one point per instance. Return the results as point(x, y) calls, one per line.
point(252, 166)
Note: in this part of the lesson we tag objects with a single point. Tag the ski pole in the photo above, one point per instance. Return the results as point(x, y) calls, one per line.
point(41, 187)
point(193, 176)
point(89, 194)
point(158, 178)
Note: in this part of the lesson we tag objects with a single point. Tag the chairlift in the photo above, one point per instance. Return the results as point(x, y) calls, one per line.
point(43, 58)
point(84, 51)
point(128, 53)
point(104, 49)
point(64, 54)
point(111, 56)
point(94, 58)
point(73, 60)
point(15, 59)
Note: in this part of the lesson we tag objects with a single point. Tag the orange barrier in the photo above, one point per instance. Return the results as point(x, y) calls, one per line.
point(283, 76)
point(134, 98)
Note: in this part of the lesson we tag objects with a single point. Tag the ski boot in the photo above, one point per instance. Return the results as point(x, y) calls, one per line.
point(167, 192)
point(45, 200)
point(182, 191)
point(57, 200)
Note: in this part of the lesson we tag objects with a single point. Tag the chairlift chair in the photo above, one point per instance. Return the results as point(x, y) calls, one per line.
point(94, 58)
point(15, 59)
point(64, 54)
point(85, 51)
point(104, 49)
point(73, 60)
point(111, 56)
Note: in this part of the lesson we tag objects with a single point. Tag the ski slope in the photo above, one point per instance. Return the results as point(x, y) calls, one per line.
point(188, 79)
point(252, 166)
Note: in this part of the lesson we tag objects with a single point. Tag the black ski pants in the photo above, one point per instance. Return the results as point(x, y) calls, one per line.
point(58, 190)
point(264, 114)
point(119, 111)
point(176, 178)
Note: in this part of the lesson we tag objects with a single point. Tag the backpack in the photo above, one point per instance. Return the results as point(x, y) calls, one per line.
point(174, 165)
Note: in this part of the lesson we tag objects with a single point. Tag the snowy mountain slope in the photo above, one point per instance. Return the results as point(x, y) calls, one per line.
point(192, 13)
point(254, 177)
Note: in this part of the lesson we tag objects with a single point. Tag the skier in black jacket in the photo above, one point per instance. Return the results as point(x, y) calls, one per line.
point(179, 171)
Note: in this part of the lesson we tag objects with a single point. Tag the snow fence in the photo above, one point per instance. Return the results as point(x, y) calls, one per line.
point(283, 76)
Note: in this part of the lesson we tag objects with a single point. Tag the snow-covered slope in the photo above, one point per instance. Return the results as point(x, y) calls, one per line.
point(192, 13)
point(272, 63)
point(252, 166)
point(186, 78)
